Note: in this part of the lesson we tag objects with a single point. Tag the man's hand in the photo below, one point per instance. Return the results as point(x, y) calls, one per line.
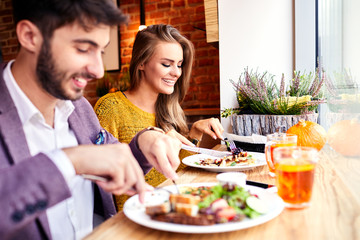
point(113, 161)
point(161, 151)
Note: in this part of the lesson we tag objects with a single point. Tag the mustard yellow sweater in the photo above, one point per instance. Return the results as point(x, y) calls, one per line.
point(123, 119)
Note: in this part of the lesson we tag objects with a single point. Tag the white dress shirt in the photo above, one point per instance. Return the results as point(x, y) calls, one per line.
point(72, 218)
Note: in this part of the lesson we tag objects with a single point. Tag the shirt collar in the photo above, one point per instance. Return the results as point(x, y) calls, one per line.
point(26, 109)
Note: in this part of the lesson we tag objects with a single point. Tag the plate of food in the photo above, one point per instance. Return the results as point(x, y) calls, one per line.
point(240, 162)
point(204, 208)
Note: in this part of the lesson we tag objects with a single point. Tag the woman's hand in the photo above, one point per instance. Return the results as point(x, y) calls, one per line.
point(210, 126)
point(173, 133)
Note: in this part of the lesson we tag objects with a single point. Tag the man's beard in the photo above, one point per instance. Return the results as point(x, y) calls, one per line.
point(50, 77)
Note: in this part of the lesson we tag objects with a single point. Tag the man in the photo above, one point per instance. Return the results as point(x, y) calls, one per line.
point(48, 129)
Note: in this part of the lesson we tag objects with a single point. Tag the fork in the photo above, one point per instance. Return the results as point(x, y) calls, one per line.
point(230, 144)
point(177, 189)
point(104, 179)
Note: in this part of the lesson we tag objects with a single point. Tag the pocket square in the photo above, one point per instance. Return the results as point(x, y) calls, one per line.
point(100, 139)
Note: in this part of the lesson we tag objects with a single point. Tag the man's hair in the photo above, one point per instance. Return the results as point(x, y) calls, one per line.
point(49, 15)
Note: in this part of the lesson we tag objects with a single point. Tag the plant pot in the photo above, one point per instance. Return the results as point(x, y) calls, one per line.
point(247, 124)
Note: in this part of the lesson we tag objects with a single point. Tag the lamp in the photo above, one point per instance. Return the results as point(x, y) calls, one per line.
point(142, 16)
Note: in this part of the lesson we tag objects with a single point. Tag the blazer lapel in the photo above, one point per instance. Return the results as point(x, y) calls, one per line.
point(76, 125)
point(11, 129)
point(13, 135)
point(81, 132)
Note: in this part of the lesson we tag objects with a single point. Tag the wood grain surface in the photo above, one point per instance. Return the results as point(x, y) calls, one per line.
point(211, 20)
point(334, 212)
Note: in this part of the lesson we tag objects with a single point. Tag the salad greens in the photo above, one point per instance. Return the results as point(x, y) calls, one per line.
point(235, 196)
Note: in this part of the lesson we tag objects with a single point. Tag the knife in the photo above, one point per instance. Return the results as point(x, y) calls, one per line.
point(94, 177)
point(259, 184)
point(206, 151)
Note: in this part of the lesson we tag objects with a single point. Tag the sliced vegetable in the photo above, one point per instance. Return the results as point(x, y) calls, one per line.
point(219, 204)
point(235, 196)
point(257, 204)
point(226, 214)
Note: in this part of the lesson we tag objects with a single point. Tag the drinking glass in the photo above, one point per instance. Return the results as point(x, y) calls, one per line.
point(276, 140)
point(294, 168)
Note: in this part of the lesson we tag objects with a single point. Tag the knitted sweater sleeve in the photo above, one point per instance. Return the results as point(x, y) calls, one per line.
point(122, 118)
point(108, 115)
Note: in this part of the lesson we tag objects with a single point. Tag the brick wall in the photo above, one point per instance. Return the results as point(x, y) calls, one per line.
point(9, 44)
point(185, 15)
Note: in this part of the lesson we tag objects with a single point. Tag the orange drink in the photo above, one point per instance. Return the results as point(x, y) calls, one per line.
point(276, 140)
point(294, 168)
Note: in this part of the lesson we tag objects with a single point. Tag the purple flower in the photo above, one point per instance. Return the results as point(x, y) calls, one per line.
point(323, 77)
point(314, 85)
point(282, 86)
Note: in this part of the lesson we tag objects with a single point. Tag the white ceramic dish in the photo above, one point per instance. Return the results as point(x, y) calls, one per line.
point(232, 178)
point(136, 213)
point(191, 161)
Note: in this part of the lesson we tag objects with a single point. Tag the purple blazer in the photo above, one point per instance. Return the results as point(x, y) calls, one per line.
point(29, 185)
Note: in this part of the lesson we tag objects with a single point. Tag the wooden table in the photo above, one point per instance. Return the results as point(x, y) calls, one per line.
point(333, 214)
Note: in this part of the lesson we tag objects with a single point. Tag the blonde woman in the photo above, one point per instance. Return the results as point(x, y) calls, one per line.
point(160, 72)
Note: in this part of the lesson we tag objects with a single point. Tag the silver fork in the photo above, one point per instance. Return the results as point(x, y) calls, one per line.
point(177, 189)
point(104, 179)
point(230, 144)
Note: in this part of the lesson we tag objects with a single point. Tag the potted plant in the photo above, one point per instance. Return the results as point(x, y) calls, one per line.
point(264, 107)
point(112, 82)
point(103, 85)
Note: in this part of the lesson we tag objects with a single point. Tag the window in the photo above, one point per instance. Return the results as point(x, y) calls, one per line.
point(338, 50)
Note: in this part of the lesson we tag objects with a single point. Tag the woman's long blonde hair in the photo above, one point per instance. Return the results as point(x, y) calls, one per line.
point(168, 112)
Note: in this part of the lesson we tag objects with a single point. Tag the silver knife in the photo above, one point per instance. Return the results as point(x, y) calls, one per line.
point(94, 177)
point(206, 151)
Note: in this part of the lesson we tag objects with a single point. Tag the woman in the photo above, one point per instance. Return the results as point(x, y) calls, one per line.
point(160, 71)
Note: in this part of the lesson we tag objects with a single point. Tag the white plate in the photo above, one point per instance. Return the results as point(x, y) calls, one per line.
point(191, 161)
point(136, 212)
